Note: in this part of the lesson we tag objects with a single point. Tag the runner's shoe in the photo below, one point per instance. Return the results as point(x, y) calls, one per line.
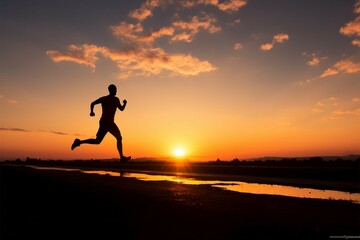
point(75, 144)
point(125, 159)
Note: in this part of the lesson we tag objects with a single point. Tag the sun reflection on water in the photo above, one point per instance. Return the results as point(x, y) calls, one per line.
point(237, 186)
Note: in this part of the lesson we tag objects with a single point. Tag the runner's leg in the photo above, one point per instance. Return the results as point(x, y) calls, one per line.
point(114, 130)
point(103, 129)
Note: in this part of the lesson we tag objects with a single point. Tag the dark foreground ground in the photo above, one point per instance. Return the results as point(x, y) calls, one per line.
point(41, 204)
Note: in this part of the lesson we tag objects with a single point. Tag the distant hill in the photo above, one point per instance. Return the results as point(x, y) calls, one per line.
point(324, 158)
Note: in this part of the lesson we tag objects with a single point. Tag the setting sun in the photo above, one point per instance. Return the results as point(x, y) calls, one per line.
point(179, 152)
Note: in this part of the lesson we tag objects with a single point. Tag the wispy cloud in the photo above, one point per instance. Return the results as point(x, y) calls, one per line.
point(8, 100)
point(13, 129)
point(146, 62)
point(345, 66)
point(191, 28)
point(333, 108)
point(13, 101)
point(147, 8)
point(128, 33)
point(342, 66)
point(278, 38)
point(356, 42)
point(193, 3)
point(139, 61)
point(325, 104)
point(352, 28)
point(57, 133)
point(85, 54)
point(231, 5)
point(345, 113)
point(313, 59)
point(133, 34)
point(238, 46)
point(357, 7)
point(43, 131)
point(235, 22)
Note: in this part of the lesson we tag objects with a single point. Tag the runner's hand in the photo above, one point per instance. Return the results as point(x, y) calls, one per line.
point(125, 102)
point(92, 114)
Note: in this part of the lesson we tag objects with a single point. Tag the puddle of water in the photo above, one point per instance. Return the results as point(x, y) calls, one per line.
point(237, 186)
point(255, 188)
point(56, 168)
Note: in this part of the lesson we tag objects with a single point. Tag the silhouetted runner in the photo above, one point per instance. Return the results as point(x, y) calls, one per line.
point(109, 105)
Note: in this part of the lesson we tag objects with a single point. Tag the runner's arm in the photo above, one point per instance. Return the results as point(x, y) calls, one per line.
point(122, 107)
point(92, 105)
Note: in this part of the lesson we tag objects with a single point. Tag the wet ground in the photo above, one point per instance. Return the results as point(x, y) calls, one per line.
point(229, 184)
point(40, 204)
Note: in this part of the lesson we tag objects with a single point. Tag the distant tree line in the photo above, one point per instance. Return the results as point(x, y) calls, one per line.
point(270, 162)
point(293, 162)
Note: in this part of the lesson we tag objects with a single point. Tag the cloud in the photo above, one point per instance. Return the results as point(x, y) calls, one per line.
point(345, 113)
point(325, 105)
point(14, 129)
point(193, 3)
point(57, 133)
point(143, 59)
point(13, 101)
point(140, 61)
point(85, 54)
point(150, 38)
point(178, 31)
point(43, 131)
point(356, 42)
point(314, 60)
point(146, 9)
point(138, 56)
point(267, 46)
point(351, 28)
point(333, 108)
point(278, 38)
point(231, 6)
point(151, 61)
point(342, 66)
point(235, 22)
point(357, 7)
point(188, 30)
point(9, 100)
point(238, 46)
point(127, 33)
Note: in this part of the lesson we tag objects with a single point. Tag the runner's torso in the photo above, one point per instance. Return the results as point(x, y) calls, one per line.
point(109, 104)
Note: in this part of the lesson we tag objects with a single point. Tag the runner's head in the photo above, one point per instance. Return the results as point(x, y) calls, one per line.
point(112, 89)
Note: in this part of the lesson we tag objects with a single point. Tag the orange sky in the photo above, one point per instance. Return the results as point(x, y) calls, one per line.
point(220, 79)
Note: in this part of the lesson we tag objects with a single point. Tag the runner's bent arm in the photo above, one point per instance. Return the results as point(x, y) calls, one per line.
point(92, 106)
point(122, 107)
